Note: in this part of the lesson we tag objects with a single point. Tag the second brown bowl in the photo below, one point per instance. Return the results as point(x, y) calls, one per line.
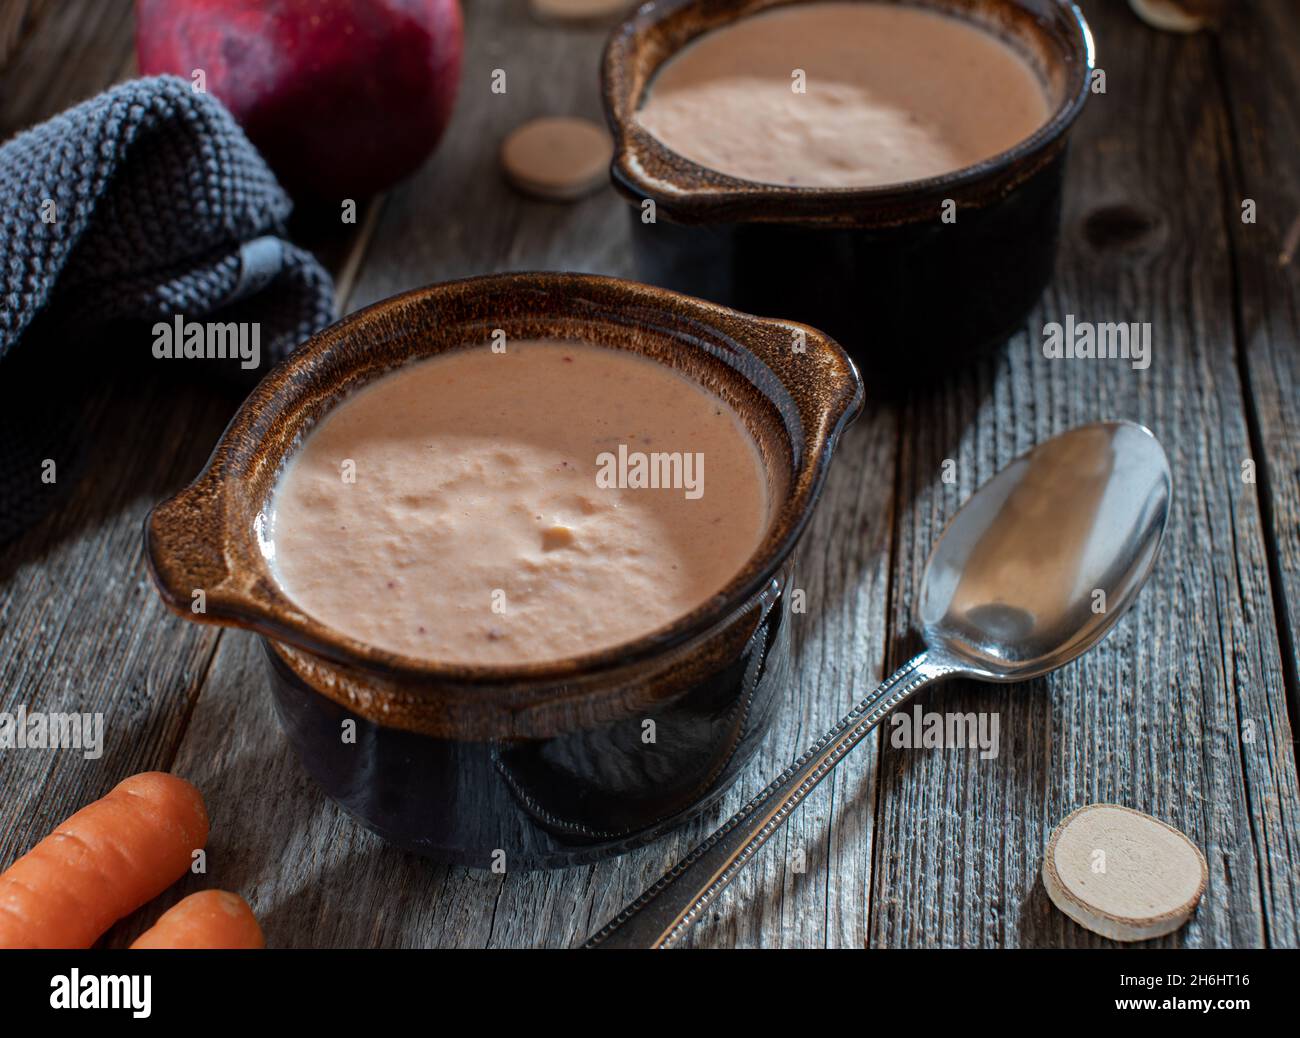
point(876, 267)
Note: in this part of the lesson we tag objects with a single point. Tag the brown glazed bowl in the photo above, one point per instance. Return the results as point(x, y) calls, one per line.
point(876, 267)
point(528, 765)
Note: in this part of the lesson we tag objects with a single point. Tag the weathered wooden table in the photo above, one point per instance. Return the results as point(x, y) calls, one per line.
point(1186, 711)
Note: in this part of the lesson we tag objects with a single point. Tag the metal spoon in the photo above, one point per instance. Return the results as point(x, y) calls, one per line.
point(1033, 571)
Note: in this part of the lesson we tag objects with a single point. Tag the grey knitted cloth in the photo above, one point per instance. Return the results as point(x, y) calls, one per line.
point(140, 204)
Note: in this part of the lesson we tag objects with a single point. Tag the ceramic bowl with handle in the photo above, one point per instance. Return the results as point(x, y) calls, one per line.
point(532, 764)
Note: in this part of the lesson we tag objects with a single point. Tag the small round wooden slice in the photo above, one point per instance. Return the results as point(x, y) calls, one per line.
point(1170, 15)
point(578, 10)
point(559, 158)
point(1123, 874)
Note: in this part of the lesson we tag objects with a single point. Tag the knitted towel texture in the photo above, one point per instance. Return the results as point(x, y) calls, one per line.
point(142, 203)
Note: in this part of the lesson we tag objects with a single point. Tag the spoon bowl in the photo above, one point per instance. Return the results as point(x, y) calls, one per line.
point(1042, 561)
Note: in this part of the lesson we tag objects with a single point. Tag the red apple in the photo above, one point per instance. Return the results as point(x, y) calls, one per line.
point(343, 97)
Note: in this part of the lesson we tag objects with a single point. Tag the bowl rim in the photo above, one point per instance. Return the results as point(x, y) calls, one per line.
point(191, 527)
point(703, 195)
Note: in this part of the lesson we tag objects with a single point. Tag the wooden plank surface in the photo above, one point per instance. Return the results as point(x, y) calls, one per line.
point(1259, 60)
point(1259, 65)
point(1157, 719)
point(899, 847)
point(64, 53)
point(456, 217)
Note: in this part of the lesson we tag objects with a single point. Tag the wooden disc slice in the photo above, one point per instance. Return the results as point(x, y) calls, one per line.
point(1123, 874)
point(559, 158)
point(1169, 15)
point(578, 10)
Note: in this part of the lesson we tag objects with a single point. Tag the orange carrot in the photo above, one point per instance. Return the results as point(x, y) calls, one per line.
point(102, 863)
point(208, 919)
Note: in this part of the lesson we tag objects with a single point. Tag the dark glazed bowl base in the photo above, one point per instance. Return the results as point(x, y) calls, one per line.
point(543, 803)
point(904, 301)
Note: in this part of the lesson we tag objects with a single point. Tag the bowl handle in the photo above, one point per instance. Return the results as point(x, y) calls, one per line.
point(186, 547)
point(814, 368)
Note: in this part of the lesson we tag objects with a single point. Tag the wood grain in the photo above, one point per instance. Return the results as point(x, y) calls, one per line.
point(66, 52)
point(457, 217)
point(1158, 719)
point(1259, 65)
point(1260, 70)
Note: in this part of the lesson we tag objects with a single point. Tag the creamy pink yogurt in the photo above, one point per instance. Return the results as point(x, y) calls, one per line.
point(461, 509)
point(891, 93)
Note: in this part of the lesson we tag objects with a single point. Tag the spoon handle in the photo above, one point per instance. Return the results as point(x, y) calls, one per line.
point(660, 916)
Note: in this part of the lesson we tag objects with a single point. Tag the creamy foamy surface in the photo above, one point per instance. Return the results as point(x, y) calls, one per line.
point(477, 529)
point(892, 93)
